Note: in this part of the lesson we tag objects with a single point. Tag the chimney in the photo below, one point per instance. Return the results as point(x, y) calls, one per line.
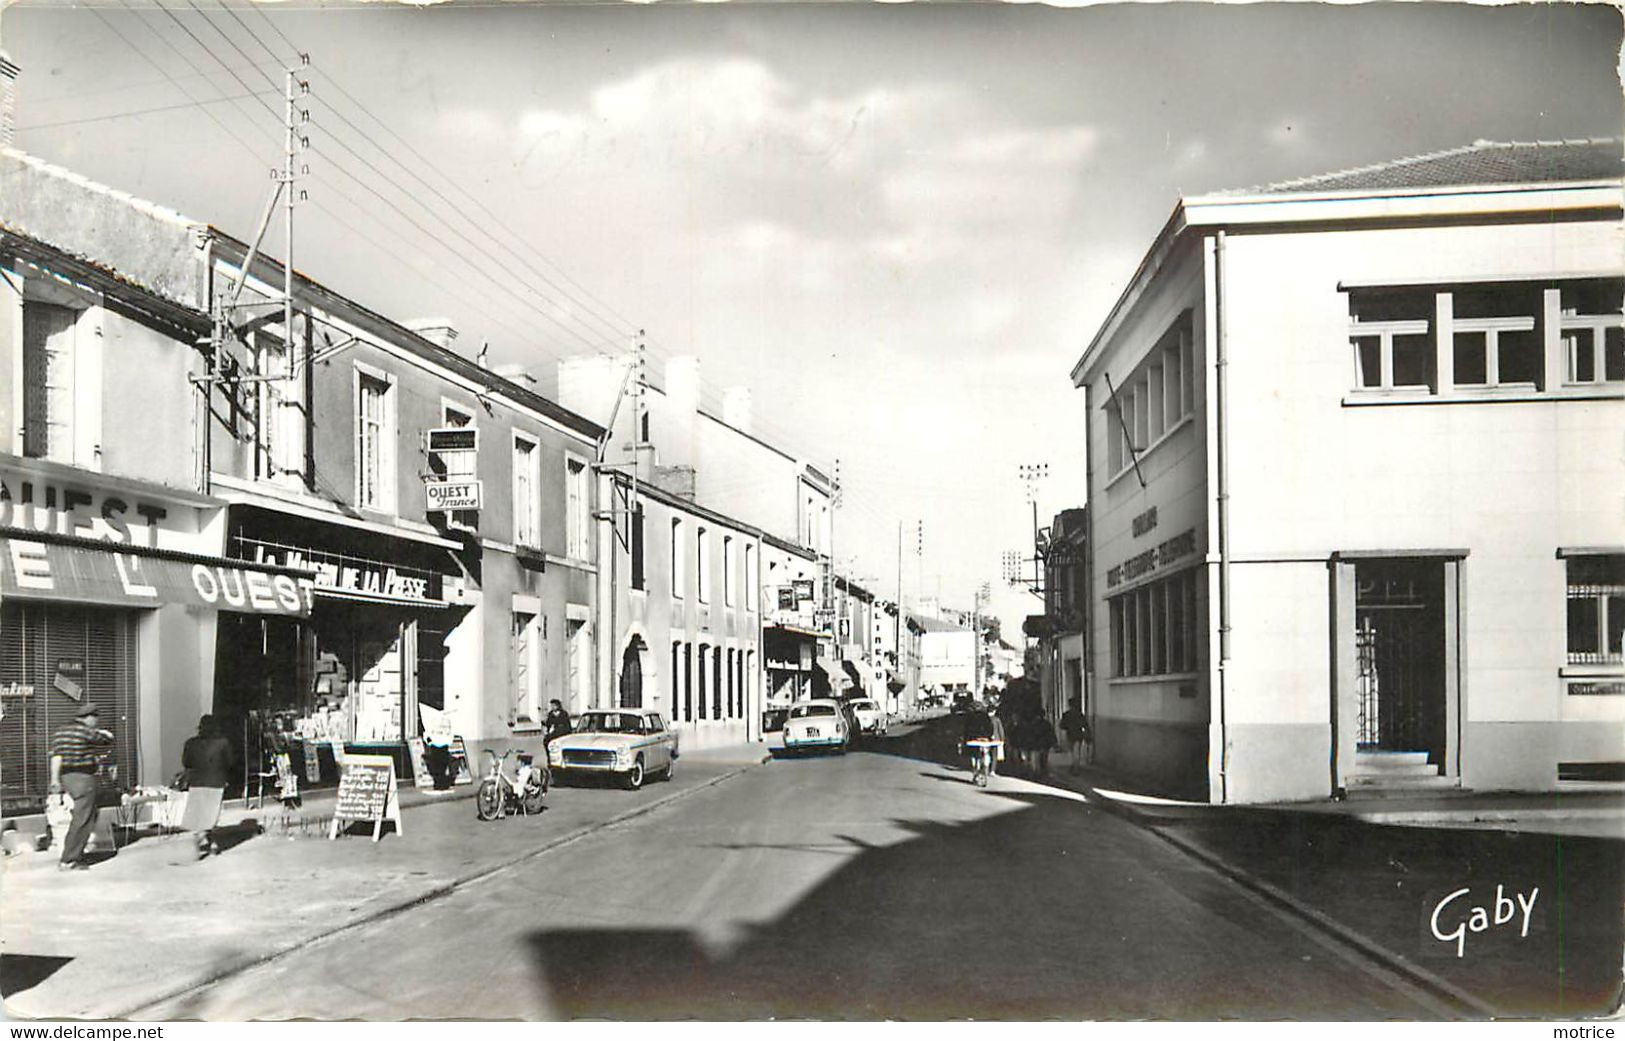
point(736, 408)
point(438, 331)
point(683, 402)
point(8, 100)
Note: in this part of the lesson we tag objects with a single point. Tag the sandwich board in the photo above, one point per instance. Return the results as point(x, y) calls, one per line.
point(366, 793)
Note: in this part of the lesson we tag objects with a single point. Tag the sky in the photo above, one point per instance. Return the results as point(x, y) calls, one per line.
point(898, 224)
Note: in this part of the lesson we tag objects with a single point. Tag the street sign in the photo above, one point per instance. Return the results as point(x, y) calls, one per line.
point(454, 439)
point(453, 495)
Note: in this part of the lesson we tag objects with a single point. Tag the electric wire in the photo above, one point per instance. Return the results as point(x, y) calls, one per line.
point(341, 168)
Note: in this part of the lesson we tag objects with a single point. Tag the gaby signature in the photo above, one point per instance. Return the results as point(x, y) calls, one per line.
point(1476, 918)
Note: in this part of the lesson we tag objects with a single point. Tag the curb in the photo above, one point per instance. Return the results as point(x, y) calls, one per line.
point(1433, 986)
point(134, 1012)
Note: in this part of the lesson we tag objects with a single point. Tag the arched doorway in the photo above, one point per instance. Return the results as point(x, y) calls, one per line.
point(631, 685)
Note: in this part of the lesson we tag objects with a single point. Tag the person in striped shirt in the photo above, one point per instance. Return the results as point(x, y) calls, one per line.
point(76, 752)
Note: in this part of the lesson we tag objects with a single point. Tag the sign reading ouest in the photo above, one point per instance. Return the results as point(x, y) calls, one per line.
point(90, 574)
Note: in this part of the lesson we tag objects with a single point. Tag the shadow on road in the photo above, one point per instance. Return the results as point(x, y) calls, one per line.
point(1046, 908)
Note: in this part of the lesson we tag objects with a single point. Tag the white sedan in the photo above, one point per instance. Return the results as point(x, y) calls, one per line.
point(871, 718)
point(816, 724)
point(628, 743)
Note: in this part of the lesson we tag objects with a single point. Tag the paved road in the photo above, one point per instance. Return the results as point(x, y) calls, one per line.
point(870, 886)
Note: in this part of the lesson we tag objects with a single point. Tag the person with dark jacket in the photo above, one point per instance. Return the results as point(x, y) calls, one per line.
point(207, 760)
point(1076, 727)
point(557, 721)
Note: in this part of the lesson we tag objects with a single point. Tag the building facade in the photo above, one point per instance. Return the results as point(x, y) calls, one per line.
point(1352, 517)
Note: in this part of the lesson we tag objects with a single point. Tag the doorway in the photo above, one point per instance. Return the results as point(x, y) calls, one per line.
point(1397, 680)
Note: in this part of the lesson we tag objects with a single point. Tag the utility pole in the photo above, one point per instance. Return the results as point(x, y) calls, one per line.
point(897, 620)
point(1031, 474)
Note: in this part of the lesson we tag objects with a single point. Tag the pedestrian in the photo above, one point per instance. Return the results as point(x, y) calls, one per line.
point(206, 760)
point(76, 753)
point(1076, 727)
point(556, 722)
point(1037, 737)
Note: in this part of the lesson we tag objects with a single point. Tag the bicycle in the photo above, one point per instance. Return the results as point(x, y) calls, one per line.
point(984, 753)
point(500, 795)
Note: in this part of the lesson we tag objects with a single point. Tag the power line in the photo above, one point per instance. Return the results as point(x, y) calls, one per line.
point(133, 112)
point(339, 167)
point(336, 218)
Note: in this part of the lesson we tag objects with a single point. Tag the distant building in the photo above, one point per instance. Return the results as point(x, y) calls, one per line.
point(1354, 483)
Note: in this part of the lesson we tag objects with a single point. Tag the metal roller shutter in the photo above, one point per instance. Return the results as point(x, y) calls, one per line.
point(34, 638)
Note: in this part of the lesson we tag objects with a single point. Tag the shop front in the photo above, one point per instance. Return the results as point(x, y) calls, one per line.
point(97, 607)
point(789, 653)
point(354, 674)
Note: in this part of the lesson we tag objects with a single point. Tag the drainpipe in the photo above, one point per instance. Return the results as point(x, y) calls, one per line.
point(1221, 375)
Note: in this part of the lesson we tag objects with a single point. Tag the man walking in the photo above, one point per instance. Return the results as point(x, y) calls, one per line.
point(76, 752)
point(1076, 727)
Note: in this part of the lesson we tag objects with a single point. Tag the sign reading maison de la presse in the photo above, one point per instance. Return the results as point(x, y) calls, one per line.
point(340, 574)
point(75, 571)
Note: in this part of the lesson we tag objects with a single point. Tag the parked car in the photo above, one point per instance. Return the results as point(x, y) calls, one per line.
point(819, 723)
point(629, 744)
point(868, 715)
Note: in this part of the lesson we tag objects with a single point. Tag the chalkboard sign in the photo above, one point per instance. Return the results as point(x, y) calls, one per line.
point(366, 793)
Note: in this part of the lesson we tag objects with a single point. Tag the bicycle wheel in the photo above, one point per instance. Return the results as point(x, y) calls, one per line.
point(488, 800)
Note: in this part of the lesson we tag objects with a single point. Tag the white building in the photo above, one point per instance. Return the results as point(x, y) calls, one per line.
point(1355, 483)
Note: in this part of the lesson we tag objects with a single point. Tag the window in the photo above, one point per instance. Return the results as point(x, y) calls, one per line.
point(279, 448)
point(48, 356)
point(716, 683)
point(728, 570)
point(702, 677)
point(636, 536)
point(677, 550)
point(577, 518)
point(1494, 341)
point(1155, 399)
point(375, 443)
point(729, 700)
point(688, 682)
point(1390, 332)
point(1592, 327)
point(752, 592)
point(526, 492)
point(1596, 609)
point(702, 566)
point(676, 678)
point(1500, 337)
point(1153, 628)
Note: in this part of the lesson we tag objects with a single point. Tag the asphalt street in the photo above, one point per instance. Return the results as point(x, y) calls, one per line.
point(866, 886)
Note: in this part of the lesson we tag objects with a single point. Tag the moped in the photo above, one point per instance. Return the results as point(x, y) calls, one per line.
point(500, 794)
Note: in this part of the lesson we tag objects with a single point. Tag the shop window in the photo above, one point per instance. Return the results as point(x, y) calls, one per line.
point(639, 580)
point(48, 384)
point(677, 549)
point(578, 505)
point(1592, 325)
point(702, 566)
point(1596, 609)
point(526, 492)
point(1153, 628)
point(1390, 331)
point(375, 447)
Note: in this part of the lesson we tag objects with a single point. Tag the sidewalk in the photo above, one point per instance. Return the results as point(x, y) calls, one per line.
point(150, 922)
point(1372, 872)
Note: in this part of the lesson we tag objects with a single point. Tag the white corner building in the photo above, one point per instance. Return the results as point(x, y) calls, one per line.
point(1356, 457)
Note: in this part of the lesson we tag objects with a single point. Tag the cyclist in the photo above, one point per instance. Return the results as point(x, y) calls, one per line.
point(979, 733)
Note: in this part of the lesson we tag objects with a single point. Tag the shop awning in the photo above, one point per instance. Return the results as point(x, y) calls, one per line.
point(838, 679)
point(41, 566)
point(795, 630)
